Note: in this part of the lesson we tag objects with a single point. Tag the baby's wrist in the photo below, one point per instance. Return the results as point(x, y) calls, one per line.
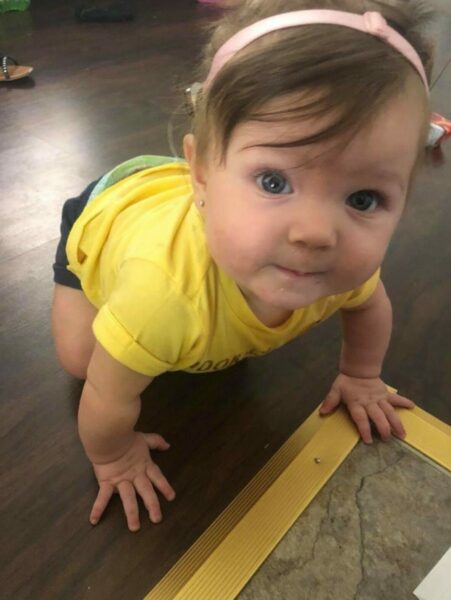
point(356, 363)
point(360, 371)
point(102, 452)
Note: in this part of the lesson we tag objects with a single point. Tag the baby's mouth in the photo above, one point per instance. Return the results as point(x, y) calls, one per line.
point(297, 273)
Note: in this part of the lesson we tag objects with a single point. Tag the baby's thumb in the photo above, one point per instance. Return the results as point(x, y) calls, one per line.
point(156, 442)
point(331, 402)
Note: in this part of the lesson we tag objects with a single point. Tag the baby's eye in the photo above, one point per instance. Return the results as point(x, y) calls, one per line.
point(273, 183)
point(364, 200)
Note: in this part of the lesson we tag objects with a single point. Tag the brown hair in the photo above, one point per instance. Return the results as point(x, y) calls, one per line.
point(349, 73)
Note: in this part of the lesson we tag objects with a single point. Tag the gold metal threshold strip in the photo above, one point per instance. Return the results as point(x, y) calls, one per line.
point(228, 553)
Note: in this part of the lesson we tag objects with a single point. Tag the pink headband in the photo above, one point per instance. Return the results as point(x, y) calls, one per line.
point(371, 22)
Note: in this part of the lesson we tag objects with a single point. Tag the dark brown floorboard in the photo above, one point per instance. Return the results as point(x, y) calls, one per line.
point(103, 93)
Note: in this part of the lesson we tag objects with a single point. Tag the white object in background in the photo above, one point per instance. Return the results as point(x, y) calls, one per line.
point(439, 130)
point(435, 135)
point(437, 583)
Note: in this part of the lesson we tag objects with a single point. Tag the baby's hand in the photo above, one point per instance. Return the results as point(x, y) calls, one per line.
point(133, 472)
point(367, 399)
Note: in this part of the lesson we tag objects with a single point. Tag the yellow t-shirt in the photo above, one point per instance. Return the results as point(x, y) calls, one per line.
point(140, 252)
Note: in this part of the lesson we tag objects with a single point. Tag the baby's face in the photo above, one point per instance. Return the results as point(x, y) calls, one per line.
point(290, 230)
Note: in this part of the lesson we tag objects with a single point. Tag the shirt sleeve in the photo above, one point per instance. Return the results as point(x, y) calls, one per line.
point(146, 324)
point(362, 293)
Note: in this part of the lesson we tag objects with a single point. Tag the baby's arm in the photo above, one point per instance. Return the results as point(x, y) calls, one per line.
point(366, 336)
point(109, 408)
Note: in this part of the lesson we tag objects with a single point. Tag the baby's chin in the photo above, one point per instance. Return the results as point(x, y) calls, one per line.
point(292, 304)
point(283, 299)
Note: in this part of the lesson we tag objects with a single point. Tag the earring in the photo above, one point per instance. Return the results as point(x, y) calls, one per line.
point(202, 203)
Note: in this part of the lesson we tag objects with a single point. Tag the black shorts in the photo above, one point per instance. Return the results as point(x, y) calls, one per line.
point(72, 209)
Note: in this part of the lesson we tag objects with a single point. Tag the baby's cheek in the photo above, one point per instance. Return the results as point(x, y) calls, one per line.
point(222, 246)
point(238, 261)
point(358, 268)
point(229, 243)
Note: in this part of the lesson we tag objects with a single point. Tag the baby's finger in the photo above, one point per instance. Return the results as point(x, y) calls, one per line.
point(156, 442)
point(393, 418)
point(106, 490)
point(150, 499)
point(160, 482)
point(377, 416)
point(397, 400)
point(128, 497)
point(360, 418)
point(331, 401)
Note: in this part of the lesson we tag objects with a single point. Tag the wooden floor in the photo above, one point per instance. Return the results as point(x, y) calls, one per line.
point(103, 93)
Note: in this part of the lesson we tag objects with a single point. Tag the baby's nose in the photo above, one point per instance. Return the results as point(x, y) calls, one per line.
point(314, 226)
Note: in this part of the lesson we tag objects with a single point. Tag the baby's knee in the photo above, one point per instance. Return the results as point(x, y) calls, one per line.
point(72, 317)
point(74, 350)
point(73, 363)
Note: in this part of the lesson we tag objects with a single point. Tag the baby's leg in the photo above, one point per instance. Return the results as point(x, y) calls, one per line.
point(72, 316)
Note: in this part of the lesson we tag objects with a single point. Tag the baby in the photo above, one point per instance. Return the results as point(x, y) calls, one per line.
point(307, 129)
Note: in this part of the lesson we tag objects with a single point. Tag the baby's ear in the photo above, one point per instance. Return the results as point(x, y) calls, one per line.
point(197, 167)
point(189, 147)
